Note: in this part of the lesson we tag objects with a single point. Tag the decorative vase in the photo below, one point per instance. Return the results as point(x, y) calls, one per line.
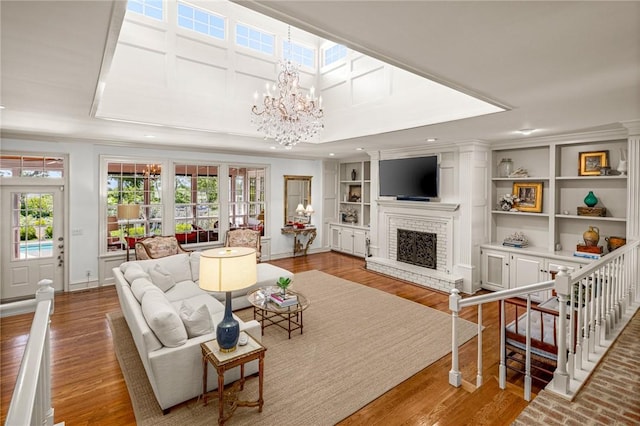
point(353, 174)
point(591, 200)
point(592, 236)
point(505, 167)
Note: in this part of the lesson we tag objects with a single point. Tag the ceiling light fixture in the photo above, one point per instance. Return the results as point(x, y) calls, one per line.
point(152, 170)
point(287, 115)
point(526, 132)
point(432, 139)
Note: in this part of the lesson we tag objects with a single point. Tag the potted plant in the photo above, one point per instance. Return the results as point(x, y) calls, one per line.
point(283, 283)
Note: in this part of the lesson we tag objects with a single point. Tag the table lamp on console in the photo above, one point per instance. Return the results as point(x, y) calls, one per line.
point(228, 269)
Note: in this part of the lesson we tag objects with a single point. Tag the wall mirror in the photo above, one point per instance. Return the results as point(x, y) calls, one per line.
point(297, 190)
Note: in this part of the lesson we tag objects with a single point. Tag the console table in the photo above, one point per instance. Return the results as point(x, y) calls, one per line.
point(299, 234)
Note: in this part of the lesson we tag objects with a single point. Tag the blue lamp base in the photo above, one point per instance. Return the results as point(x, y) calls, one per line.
point(228, 331)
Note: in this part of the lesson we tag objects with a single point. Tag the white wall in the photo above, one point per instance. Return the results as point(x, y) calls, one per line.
point(83, 250)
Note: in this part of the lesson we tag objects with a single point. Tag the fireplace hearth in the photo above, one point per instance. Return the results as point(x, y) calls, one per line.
point(417, 248)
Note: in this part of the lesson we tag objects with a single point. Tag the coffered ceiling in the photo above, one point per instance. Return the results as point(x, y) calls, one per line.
point(557, 67)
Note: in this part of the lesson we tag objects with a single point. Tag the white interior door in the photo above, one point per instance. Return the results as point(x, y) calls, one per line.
point(31, 234)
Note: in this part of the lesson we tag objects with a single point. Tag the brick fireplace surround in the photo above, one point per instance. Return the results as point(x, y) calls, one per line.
point(434, 218)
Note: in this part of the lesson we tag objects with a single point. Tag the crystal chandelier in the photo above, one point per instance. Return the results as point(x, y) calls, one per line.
point(286, 114)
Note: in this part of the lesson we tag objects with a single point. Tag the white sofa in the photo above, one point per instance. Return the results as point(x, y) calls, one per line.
point(155, 296)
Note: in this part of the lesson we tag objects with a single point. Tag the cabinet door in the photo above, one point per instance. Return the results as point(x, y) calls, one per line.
point(360, 242)
point(526, 270)
point(335, 238)
point(495, 270)
point(346, 241)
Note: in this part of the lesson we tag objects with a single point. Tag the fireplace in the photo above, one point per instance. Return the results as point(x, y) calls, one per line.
point(417, 248)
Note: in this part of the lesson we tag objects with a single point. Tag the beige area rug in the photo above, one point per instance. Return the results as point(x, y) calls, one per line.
point(358, 343)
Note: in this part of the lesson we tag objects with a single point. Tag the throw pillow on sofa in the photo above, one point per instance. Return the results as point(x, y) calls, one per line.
point(140, 286)
point(197, 321)
point(161, 278)
point(133, 272)
point(163, 319)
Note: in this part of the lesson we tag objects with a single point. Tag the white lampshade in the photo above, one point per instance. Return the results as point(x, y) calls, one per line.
point(300, 209)
point(309, 210)
point(228, 269)
point(128, 211)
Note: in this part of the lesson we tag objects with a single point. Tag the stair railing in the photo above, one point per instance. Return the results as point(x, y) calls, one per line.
point(31, 400)
point(599, 299)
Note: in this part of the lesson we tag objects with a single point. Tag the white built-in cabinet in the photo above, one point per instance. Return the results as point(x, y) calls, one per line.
point(349, 239)
point(505, 268)
point(351, 233)
point(554, 232)
point(558, 228)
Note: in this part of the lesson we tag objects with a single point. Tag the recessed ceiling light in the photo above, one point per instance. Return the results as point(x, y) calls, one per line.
point(332, 154)
point(1, 106)
point(526, 132)
point(432, 139)
point(149, 136)
point(359, 149)
point(272, 147)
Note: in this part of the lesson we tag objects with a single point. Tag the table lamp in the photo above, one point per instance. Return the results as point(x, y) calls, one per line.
point(228, 269)
point(128, 212)
point(308, 212)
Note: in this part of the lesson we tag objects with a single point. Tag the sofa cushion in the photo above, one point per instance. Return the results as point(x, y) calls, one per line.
point(163, 319)
point(178, 266)
point(197, 321)
point(195, 266)
point(183, 290)
point(140, 286)
point(133, 272)
point(161, 278)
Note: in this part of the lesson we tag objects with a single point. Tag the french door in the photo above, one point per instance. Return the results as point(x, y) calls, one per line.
point(31, 238)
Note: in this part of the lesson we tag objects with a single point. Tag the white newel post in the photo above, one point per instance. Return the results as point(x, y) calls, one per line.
point(43, 408)
point(563, 289)
point(455, 378)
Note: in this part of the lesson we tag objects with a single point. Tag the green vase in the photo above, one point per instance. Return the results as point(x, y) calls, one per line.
point(591, 200)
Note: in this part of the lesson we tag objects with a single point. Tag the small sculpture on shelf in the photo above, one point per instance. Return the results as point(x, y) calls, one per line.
point(516, 239)
point(507, 201)
point(519, 173)
point(349, 215)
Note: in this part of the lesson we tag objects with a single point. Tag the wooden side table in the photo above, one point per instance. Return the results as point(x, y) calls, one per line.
point(222, 362)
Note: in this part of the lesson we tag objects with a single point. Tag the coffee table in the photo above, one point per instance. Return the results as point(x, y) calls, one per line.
point(268, 313)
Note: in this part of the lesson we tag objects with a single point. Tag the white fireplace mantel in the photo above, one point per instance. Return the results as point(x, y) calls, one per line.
point(420, 205)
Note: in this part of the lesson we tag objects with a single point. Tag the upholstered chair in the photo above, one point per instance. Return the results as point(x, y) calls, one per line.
point(158, 246)
point(244, 238)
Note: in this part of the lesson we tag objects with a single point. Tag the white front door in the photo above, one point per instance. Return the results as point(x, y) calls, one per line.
point(31, 234)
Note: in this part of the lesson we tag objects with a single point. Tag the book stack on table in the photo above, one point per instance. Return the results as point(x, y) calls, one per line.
point(589, 252)
point(284, 301)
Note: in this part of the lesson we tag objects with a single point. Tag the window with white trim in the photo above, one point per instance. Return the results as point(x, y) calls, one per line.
point(254, 39)
point(132, 183)
point(299, 54)
point(201, 21)
point(13, 166)
point(196, 203)
point(247, 197)
point(334, 54)
point(150, 8)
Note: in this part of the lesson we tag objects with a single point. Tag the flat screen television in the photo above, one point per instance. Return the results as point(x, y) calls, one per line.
point(409, 178)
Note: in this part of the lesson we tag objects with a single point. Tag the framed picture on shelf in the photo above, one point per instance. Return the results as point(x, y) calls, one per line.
point(589, 163)
point(355, 193)
point(530, 196)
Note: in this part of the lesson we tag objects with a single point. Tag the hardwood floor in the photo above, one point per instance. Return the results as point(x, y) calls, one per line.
point(88, 387)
